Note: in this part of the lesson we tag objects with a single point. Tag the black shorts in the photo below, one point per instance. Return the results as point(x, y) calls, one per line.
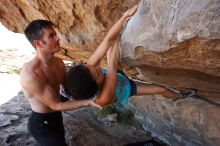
point(47, 128)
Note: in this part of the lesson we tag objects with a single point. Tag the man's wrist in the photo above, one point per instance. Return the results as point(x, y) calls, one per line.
point(87, 102)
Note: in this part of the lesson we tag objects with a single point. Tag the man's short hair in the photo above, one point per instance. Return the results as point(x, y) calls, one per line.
point(33, 30)
point(79, 83)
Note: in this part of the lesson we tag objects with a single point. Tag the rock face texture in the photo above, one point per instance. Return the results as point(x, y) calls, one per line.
point(81, 24)
point(175, 38)
point(184, 122)
point(175, 42)
point(82, 127)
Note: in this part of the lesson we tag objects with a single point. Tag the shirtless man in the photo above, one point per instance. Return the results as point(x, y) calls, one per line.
point(40, 79)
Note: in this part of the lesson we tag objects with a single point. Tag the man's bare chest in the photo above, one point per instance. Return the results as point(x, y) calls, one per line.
point(54, 76)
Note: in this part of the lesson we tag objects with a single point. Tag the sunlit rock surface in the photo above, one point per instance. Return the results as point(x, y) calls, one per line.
point(81, 24)
point(176, 43)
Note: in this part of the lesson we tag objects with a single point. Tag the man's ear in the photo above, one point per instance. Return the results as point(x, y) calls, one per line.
point(37, 43)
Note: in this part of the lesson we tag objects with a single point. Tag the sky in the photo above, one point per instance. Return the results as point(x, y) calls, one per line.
point(10, 40)
point(9, 83)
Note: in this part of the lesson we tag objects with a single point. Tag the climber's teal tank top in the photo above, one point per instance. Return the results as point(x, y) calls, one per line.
point(123, 88)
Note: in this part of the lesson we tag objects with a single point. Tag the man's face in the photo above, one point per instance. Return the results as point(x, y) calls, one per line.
point(49, 41)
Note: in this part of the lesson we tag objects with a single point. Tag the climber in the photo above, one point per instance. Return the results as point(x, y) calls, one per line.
point(110, 86)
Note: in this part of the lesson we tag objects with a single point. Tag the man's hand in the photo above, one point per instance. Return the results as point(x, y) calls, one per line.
point(92, 103)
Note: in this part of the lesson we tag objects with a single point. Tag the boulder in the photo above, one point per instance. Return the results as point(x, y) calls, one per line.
point(173, 43)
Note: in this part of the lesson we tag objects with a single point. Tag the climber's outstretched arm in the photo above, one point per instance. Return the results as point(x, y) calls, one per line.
point(110, 37)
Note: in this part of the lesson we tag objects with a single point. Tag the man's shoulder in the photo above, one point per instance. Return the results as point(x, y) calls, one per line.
point(27, 67)
point(29, 71)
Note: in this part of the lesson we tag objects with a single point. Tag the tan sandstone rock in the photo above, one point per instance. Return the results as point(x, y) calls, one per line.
point(175, 42)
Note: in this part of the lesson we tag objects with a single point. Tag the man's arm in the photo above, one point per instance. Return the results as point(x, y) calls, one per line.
point(46, 94)
point(110, 38)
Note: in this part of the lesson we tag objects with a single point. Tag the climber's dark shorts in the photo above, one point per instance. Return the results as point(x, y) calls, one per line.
point(132, 83)
point(47, 128)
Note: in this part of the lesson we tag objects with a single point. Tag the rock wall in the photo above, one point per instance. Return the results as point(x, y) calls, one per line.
point(175, 42)
point(179, 38)
point(81, 24)
point(184, 122)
